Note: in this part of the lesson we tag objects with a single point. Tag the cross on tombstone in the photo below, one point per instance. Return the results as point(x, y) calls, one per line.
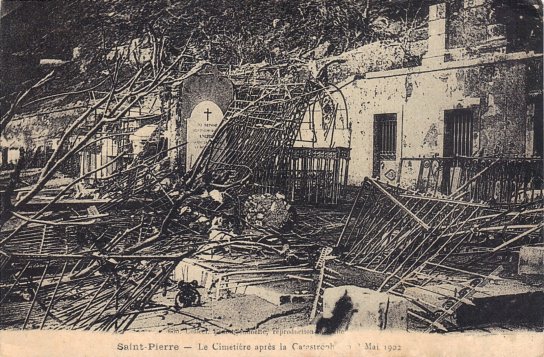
point(207, 112)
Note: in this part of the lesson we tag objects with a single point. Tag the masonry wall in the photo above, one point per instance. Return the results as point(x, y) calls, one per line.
point(494, 89)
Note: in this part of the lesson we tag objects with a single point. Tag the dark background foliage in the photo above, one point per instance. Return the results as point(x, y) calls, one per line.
point(221, 31)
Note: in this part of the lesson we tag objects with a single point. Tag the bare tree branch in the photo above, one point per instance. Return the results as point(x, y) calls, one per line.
point(6, 118)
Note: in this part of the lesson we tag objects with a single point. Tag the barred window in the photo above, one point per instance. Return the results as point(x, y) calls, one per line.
point(385, 136)
point(458, 133)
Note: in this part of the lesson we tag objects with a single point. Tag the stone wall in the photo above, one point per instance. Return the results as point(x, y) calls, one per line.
point(32, 130)
point(465, 65)
point(493, 88)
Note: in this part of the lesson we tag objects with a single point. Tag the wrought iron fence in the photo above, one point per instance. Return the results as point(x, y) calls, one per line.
point(502, 181)
point(308, 175)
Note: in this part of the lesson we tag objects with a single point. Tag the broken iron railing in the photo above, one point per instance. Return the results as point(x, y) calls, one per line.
point(64, 267)
point(506, 181)
point(416, 241)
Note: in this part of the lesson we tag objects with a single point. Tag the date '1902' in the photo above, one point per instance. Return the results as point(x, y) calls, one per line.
point(369, 346)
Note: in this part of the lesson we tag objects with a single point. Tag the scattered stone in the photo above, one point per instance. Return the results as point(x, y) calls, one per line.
point(531, 260)
point(355, 308)
point(267, 210)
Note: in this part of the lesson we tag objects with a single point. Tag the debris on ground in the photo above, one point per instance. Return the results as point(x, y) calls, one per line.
point(271, 211)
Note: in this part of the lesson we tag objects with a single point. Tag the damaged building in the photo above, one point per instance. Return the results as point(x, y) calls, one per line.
point(474, 94)
point(392, 186)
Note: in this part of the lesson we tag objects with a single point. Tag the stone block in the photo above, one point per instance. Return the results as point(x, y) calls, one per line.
point(269, 294)
point(431, 62)
point(531, 261)
point(189, 270)
point(437, 27)
point(278, 293)
point(436, 45)
point(498, 302)
point(437, 11)
point(368, 309)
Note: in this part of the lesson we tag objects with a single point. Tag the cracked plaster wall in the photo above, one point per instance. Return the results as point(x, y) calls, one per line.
point(496, 93)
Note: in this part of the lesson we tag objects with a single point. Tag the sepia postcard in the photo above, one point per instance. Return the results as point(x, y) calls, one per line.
point(271, 177)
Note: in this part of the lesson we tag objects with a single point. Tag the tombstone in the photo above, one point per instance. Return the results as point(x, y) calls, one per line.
point(201, 126)
point(198, 111)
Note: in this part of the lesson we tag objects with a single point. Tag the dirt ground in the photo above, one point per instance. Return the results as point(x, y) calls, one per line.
point(236, 314)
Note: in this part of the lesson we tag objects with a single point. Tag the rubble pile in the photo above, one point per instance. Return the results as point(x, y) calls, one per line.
point(146, 217)
point(448, 246)
point(267, 210)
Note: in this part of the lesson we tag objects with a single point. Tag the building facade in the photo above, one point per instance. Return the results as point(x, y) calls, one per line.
point(477, 93)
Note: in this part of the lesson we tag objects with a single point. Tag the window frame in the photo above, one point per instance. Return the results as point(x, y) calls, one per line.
point(385, 136)
point(457, 121)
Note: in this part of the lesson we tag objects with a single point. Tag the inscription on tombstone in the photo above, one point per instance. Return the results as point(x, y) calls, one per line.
point(205, 118)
